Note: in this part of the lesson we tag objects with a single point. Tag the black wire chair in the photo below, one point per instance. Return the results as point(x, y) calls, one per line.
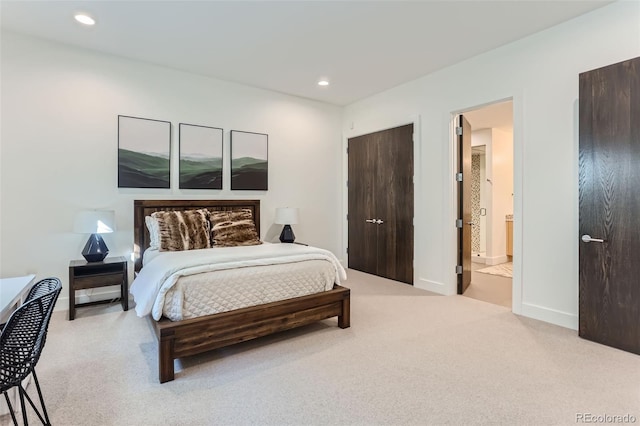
point(21, 343)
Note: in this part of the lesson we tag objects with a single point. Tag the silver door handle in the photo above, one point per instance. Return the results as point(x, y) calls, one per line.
point(587, 239)
point(370, 220)
point(379, 221)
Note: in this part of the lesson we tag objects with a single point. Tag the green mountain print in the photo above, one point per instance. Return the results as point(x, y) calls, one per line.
point(201, 173)
point(140, 170)
point(249, 173)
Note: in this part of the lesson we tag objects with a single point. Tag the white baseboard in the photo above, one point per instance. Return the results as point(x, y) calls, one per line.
point(63, 301)
point(478, 259)
point(432, 286)
point(563, 319)
point(496, 260)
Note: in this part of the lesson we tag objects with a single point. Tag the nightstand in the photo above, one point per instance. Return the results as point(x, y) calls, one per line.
point(84, 275)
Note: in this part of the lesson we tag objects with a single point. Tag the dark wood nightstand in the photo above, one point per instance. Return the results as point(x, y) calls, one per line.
point(84, 275)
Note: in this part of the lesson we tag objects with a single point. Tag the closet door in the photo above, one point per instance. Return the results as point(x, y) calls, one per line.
point(609, 205)
point(363, 233)
point(394, 204)
point(381, 203)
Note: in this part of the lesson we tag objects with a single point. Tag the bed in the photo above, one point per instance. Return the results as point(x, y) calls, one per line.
point(177, 339)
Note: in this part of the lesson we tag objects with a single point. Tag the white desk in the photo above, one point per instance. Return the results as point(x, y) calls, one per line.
point(12, 291)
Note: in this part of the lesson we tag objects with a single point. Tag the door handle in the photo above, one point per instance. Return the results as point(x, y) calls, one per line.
point(586, 238)
point(379, 221)
point(370, 220)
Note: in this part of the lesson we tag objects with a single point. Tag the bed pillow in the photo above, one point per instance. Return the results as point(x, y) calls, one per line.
point(183, 230)
point(230, 228)
point(154, 232)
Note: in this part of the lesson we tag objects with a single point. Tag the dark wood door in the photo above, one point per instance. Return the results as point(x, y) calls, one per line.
point(363, 233)
point(609, 205)
point(464, 203)
point(381, 203)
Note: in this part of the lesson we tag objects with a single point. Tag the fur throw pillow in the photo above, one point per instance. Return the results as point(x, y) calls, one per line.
point(183, 230)
point(233, 228)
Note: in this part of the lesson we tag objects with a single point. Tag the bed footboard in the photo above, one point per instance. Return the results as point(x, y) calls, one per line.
point(177, 339)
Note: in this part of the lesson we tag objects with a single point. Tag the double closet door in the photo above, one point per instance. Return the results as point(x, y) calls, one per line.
point(380, 216)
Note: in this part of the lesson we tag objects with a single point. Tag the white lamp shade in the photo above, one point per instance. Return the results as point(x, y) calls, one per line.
point(95, 222)
point(286, 216)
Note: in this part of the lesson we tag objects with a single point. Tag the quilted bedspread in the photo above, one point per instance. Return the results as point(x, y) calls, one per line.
point(159, 276)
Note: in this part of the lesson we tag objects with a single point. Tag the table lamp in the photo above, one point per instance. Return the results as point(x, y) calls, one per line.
point(95, 222)
point(287, 216)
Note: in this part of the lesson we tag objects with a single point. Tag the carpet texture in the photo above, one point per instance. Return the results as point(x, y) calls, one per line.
point(409, 358)
point(503, 270)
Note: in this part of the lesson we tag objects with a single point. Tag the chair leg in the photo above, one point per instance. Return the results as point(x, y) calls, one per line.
point(25, 421)
point(23, 394)
point(33, 405)
point(13, 415)
point(44, 409)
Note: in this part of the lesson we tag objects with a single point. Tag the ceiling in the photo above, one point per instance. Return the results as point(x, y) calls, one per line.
point(495, 116)
point(362, 47)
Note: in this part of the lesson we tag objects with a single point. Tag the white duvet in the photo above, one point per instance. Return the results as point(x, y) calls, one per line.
point(163, 270)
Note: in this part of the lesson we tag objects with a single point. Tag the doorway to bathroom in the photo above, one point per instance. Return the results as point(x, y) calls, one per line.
point(489, 200)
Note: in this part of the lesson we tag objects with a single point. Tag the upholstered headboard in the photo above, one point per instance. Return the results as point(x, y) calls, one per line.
point(142, 208)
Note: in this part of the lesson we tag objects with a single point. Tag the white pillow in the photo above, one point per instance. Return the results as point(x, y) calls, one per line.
point(154, 232)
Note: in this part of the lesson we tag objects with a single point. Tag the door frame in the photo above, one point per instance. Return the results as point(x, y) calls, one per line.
point(372, 128)
point(518, 202)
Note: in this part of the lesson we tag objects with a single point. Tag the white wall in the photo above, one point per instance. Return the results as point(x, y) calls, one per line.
point(540, 73)
point(59, 149)
point(501, 189)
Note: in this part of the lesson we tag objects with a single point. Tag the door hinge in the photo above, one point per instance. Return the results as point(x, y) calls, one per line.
point(347, 216)
point(347, 150)
point(458, 223)
point(459, 177)
point(458, 269)
point(459, 131)
point(347, 250)
point(347, 184)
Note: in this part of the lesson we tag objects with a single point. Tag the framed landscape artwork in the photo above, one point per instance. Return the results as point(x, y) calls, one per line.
point(200, 157)
point(144, 152)
point(249, 160)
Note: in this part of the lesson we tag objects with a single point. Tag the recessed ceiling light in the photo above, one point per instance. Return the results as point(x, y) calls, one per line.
point(84, 19)
point(323, 82)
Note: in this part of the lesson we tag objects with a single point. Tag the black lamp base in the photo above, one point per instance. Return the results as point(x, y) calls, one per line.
point(286, 236)
point(95, 250)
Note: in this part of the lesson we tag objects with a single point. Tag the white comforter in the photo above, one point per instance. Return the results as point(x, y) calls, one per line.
point(162, 272)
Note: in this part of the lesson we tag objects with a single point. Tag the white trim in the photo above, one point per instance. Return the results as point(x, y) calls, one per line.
point(417, 182)
point(563, 319)
point(518, 202)
point(432, 286)
point(451, 245)
point(63, 301)
point(450, 240)
point(495, 260)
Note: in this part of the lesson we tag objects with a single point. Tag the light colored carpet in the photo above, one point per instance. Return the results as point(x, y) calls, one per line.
point(503, 270)
point(490, 288)
point(409, 358)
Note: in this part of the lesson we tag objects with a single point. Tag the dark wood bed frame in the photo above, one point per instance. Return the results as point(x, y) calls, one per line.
point(177, 339)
